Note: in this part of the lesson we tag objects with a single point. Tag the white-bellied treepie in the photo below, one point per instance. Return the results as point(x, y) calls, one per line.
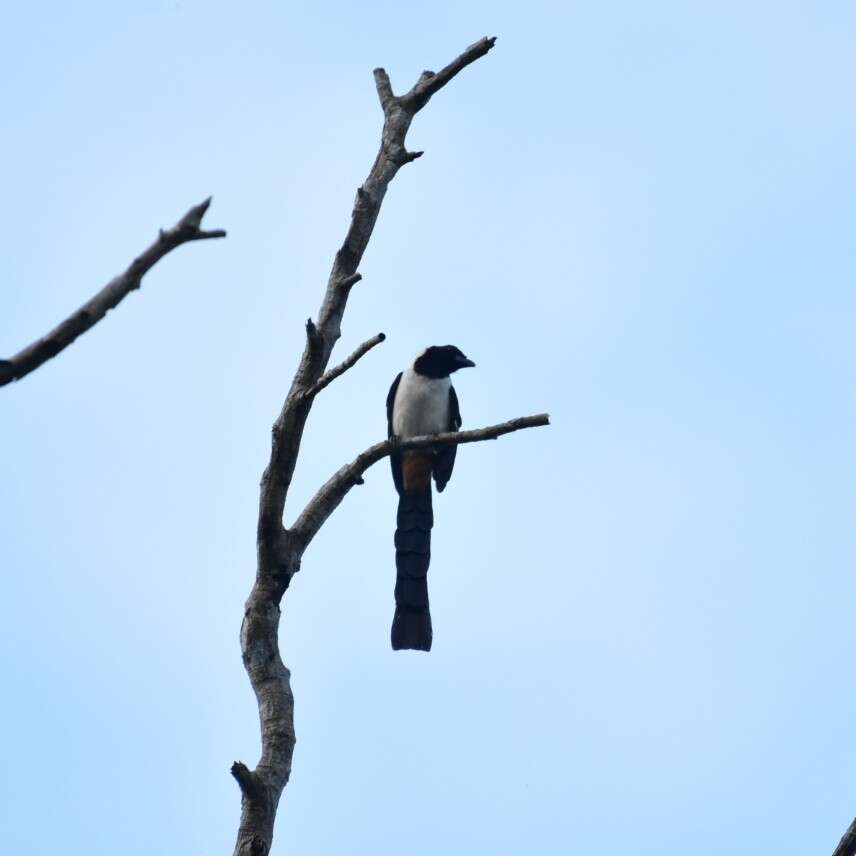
point(421, 401)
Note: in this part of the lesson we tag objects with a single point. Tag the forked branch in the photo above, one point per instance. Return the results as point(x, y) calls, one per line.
point(279, 550)
point(189, 228)
point(328, 377)
point(327, 499)
point(392, 155)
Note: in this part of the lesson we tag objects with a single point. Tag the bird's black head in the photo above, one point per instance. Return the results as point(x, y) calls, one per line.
point(440, 361)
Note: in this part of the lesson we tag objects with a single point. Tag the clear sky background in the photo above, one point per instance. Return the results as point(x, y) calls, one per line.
point(636, 216)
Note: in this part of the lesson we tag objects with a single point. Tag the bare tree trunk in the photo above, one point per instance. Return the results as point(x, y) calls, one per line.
point(280, 550)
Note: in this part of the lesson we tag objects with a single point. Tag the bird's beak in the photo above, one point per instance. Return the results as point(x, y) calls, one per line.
point(466, 364)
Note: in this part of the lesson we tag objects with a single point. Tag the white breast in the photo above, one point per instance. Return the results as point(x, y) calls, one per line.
point(421, 405)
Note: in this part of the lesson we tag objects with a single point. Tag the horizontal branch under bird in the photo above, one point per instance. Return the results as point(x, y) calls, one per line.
point(334, 490)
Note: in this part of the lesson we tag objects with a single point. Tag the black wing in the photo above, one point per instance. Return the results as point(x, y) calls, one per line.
point(394, 460)
point(444, 459)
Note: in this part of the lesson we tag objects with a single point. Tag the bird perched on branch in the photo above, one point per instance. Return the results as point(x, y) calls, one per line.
point(421, 401)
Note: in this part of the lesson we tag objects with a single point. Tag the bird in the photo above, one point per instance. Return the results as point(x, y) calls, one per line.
point(421, 401)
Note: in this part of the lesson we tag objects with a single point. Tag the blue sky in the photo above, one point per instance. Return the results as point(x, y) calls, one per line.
point(638, 217)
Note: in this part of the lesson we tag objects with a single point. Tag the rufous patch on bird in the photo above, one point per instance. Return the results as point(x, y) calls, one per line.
point(416, 469)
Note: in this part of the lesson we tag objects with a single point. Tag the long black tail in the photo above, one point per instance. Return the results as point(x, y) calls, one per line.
point(411, 626)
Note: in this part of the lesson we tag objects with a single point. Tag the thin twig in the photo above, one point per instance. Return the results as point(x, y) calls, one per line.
point(30, 358)
point(328, 377)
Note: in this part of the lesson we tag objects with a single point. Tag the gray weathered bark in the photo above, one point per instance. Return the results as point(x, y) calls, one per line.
point(334, 490)
point(30, 358)
point(280, 550)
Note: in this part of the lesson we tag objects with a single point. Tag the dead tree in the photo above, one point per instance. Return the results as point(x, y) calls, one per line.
point(280, 549)
point(189, 228)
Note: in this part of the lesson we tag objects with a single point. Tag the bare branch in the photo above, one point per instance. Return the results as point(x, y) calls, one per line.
point(288, 428)
point(384, 88)
point(429, 83)
point(279, 552)
point(328, 497)
point(330, 376)
point(847, 845)
point(244, 777)
point(30, 358)
point(348, 281)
